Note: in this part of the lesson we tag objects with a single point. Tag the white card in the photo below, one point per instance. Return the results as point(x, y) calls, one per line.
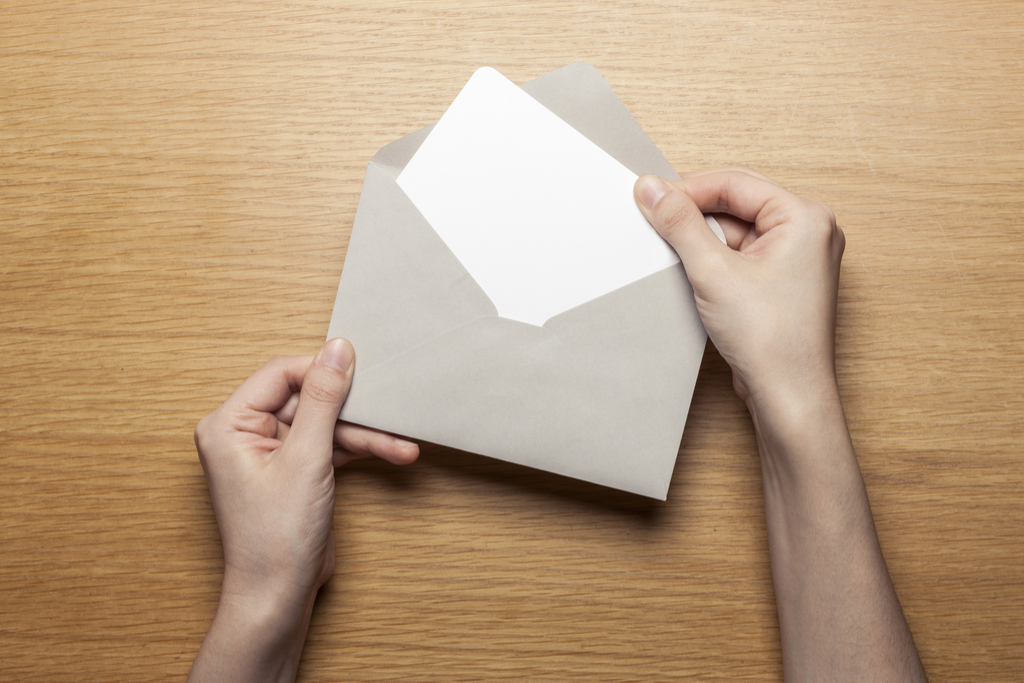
point(542, 218)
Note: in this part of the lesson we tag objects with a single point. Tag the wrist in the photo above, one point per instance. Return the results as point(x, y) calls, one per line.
point(268, 622)
point(813, 487)
point(782, 417)
point(254, 636)
point(802, 435)
point(263, 604)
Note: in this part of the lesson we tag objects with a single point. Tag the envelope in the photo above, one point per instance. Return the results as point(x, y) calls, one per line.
point(600, 392)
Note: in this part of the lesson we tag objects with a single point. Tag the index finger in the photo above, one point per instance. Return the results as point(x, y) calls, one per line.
point(724, 169)
point(733, 192)
point(270, 387)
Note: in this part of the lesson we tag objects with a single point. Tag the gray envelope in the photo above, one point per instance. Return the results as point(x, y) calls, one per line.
point(599, 393)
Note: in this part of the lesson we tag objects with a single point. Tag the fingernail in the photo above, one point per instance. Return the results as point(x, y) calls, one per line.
point(650, 189)
point(337, 353)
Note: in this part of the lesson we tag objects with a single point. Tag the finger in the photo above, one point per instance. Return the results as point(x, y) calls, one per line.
point(269, 388)
point(282, 431)
point(359, 441)
point(286, 413)
point(341, 457)
point(738, 169)
point(678, 219)
point(324, 389)
point(739, 194)
point(737, 233)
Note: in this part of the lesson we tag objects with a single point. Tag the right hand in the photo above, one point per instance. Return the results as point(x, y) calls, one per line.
point(768, 300)
point(768, 296)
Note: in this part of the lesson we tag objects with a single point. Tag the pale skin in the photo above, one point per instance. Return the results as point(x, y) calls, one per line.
point(269, 454)
point(768, 300)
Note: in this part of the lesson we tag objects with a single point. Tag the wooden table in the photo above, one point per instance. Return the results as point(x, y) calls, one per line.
point(177, 187)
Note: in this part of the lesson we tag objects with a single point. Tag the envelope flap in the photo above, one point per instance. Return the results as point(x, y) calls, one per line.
point(393, 157)
point(580, 96)
point(406, 286)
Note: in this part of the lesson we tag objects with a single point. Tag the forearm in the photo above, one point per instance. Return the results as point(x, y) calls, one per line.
point(253, 639)
point(839, 616)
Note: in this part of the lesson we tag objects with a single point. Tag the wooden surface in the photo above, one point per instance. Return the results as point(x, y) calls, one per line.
point(177, 187)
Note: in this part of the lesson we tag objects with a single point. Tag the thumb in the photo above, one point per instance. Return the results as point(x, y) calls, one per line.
point(324, 389)
point(680, 222)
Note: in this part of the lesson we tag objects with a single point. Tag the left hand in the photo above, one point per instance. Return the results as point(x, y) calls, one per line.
point(269, 454)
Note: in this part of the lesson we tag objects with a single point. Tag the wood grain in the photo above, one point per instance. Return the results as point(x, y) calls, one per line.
point(177, 187)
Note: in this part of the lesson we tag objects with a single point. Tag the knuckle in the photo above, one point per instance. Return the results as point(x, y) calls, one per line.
point(745, 169)
point(840, 242)
point(827, 231)
point(277, 360)
point(199, 436)
point(320, 390)
point(268, 423)
point(359, 443)
point(204, 437)
point(723, 195)
point(264, 424)
point(826, 216)
point(818, 219)
point(678, 214)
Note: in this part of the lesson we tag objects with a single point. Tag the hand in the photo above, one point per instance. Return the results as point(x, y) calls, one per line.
point(768, 297)
point(269, 454)
point(768, 300)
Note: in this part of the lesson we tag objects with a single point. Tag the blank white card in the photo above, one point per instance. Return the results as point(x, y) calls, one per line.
point(541, 217)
